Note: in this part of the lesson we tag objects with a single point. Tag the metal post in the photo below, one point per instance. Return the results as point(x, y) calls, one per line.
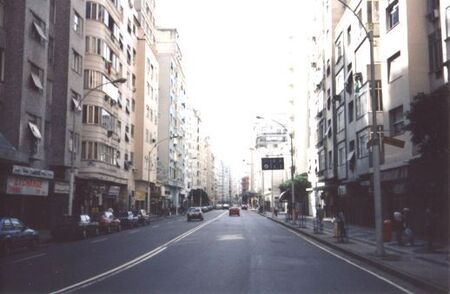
point(271, 196)
point(292, 176)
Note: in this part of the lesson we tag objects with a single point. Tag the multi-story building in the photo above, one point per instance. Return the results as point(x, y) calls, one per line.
point(146, 141)
point(106, 175)
point(405, 65)
point(38, 101)
point(171, 118)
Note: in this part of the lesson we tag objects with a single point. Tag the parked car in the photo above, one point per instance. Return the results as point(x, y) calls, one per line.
point(218, 206)
point(108, 223)
point(194, 213)
point(143, 217)
point(75, 227)
point(234, 211)
point(225, 206)
point(15, 234)
point(205, 208)
point(244, 207)
point(128, 219)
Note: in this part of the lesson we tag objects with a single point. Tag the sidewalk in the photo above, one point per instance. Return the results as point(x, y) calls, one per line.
point(428, 270)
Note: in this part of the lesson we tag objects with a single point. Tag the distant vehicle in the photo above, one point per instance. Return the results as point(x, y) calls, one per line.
point(244, 207)
point(204, 208)
point(225, 206)
point(14, 234)
point(143, 217)
point(218, 206)
point(108, 223)
point(128, 219)
point(75, 227)
point(234, 211)
point(194, 213)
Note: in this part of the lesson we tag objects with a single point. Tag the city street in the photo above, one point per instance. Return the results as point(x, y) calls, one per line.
point(222, 254)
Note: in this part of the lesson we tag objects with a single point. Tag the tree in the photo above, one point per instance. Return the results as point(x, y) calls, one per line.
point(427, 183)
point(301, 183)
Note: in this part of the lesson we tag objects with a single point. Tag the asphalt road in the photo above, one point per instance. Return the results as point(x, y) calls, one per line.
point(246, 254)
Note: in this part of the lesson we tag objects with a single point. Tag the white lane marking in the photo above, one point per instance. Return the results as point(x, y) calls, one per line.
point(131, 263)
point(133, 231)
point(155, 226)
point(29, 257)
point(99, 240)
point(348, 261)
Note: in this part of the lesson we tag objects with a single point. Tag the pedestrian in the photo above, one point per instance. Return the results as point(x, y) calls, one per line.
point(429, 228)
point(319, 217)
point(407, 228)
point(341, 226)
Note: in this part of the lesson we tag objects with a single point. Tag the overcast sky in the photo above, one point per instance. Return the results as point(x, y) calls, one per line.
point(236, 56)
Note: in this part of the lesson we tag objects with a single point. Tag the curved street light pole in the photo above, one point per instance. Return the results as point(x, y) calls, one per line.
point(291, 135)
point(149, 169)
point(375, 140)
point(79, 108)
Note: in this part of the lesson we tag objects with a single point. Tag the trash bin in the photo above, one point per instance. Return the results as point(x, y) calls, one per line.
point(387, 230)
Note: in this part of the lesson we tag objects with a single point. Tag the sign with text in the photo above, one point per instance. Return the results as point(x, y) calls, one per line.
point(271, 163)
point(26, 186)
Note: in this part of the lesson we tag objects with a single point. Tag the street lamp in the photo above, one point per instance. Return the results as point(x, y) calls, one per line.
point(150, 165)
point(292, 162)
point(72, 157)
point(375, 141)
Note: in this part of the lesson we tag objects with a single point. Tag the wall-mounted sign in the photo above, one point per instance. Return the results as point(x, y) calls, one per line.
point(61, 188)
point(139, 196)
point(32, 172)
point(26, 186)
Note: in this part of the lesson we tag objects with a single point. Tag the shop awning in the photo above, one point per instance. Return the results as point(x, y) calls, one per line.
point(284, 196)
point(40, 31)
point(351, 156)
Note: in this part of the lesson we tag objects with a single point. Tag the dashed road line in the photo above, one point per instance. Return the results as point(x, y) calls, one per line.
point(29, 257)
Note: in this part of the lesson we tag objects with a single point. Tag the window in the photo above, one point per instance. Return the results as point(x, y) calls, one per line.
point(361, 105)
point(338, 49)
point(92, 79)
point(341, 154)
point(392, 15)
point(74, 142)
point(363, 139)
point(322, 165)
point(132, 131)
point(350, 112)
point(447, 20)
point(351, 146)
point(330, 159)
point(340, 81)
point(394, 67)
point(51, 51)
point(349, 35)
point(396, 121)
point(91, 114)
point(77, 23)
point(2, 14)
point(435, 56)
point(37, 77)
point(340, 119)
point(38, 30)
point(379, 95)
point(133, 105)
point(2, 65)
point(77, 62)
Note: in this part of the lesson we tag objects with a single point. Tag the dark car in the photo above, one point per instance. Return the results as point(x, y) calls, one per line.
point(234, 211)
point(75, 227)
point(128, 219)
point(14, 234)
point(108, 222)
point(194, 213)
point(143, 217)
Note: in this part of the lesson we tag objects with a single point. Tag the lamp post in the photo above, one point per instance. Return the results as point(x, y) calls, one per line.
point(292, 161)
point(72, 154)
point(375, 140)
point(149, 169)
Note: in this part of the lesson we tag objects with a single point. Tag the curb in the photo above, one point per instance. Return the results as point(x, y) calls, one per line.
point(416, 281)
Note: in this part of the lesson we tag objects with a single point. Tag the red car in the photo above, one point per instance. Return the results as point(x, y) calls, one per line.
point(234, 211)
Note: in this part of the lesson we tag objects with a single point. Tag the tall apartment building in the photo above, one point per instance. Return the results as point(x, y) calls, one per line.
point(408, 60)
point(147, 93)
point(171, 118)
point(106, 174)
point(41, 59)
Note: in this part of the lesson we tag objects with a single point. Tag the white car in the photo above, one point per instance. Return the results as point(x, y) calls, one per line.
point(194, 213)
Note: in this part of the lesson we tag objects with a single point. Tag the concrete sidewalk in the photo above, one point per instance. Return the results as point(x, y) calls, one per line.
point(415, 264)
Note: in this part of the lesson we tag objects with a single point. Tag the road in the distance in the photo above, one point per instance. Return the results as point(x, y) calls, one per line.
point(247, 254)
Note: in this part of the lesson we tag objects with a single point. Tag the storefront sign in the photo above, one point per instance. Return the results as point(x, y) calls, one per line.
point(139, 196)
point(114, 191)
point(32, 172)
point(61, 188)
point(26, 186)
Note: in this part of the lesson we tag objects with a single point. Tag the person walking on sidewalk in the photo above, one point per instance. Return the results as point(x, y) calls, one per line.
point(319, 218)
point(407, 230)
point(398, 227)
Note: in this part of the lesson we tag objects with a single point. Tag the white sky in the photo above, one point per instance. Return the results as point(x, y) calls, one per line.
point(236, 56)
